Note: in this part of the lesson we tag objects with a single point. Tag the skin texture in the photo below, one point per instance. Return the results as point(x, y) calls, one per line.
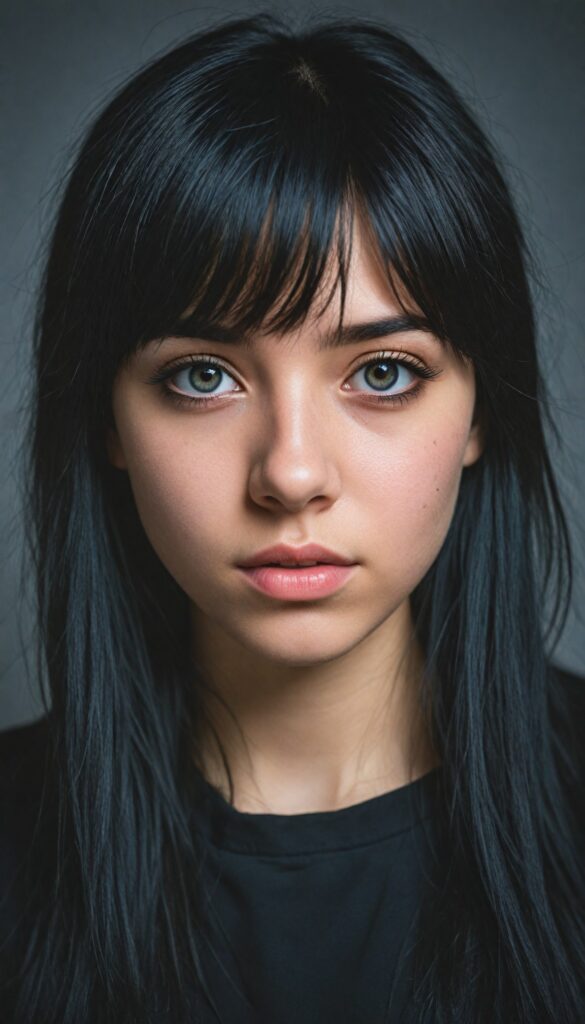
point(324, 693)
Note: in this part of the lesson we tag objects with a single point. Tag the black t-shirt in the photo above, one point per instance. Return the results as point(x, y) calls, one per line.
point(315, 911)
point(311, 917)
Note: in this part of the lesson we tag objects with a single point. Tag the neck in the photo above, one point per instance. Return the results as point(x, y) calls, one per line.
point(300, 739)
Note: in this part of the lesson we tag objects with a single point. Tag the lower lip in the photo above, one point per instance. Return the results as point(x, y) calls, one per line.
point(303, 584)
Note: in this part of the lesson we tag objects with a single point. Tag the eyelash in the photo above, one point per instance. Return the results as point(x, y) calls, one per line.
point(425, 373)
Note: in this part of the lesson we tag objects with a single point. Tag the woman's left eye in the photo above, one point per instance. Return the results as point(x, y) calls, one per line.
point(384, 372)
point(381, 372)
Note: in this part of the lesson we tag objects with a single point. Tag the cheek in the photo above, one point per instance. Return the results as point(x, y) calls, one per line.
point(183, 495)
point(411, 489)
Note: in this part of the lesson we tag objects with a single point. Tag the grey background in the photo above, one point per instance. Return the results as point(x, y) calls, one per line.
point(521, 65)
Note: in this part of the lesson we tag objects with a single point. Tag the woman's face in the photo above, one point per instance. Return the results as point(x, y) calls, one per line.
point(293, 448)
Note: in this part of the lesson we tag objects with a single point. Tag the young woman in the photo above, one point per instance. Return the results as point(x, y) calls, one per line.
point(286, 320)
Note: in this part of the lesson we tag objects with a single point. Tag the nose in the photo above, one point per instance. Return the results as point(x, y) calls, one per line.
point(294, 461)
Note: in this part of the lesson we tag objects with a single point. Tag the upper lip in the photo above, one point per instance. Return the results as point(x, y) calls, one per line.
point(283, 553)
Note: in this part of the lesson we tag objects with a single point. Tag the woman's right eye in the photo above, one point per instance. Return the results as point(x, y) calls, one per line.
point(201, 374)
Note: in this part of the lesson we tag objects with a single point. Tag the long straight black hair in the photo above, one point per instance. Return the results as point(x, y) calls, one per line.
point(214, 181)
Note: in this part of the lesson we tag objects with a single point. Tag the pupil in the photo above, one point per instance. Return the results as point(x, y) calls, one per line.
point(381, 371)
point(207, 373)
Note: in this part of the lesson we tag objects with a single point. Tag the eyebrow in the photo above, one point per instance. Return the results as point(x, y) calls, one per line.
point(350, 334)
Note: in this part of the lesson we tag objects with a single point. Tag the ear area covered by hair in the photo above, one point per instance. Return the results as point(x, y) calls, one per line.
point(114, 449)
point(476, 441)
point(475, 444)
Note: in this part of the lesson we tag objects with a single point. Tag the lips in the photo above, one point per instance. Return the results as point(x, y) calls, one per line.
point(279, 554)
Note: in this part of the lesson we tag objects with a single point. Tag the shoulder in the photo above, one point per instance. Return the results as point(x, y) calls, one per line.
point(24, 752)
point(24, 782)
point(567, 718)
point(25, 790)
point(567, 695)
point(572, 681)
point(23, 756)
point(567, 709)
